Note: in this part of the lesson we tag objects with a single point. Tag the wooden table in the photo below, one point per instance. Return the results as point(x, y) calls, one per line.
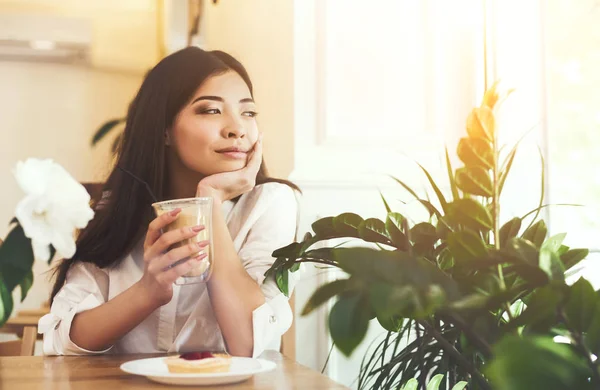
point(102, 372)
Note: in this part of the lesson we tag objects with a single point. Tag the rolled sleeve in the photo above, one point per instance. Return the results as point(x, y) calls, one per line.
point(275, 228)
point(85, 288)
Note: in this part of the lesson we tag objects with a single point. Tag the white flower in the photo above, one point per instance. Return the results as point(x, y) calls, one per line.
point(54, 206)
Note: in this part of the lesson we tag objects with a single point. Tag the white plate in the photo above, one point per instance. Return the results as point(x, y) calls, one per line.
point(155, 369)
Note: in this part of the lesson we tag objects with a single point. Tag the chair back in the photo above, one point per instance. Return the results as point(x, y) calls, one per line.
point(23, 347)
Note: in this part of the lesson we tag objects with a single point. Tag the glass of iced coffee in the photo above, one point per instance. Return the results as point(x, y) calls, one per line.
point(194, 211)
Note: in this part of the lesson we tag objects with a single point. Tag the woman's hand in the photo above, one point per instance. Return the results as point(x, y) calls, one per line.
point(162, 266)
point(228, 185)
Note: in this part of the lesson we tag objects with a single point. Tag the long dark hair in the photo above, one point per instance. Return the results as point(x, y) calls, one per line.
point(139, 173)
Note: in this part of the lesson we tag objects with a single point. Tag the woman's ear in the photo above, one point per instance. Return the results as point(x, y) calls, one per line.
point(168, 137)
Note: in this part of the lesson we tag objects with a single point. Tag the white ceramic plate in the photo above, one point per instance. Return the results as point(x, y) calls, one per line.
point(155, 369)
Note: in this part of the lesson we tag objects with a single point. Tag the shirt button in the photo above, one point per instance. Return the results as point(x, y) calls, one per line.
point(272, 319)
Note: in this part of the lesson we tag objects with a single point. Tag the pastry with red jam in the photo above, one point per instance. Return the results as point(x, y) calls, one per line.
point(198, 363)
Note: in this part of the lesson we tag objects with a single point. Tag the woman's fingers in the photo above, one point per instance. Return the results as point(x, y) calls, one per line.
point(255, 159)
point(169, 276)
point(176, 255)
point(166, 240)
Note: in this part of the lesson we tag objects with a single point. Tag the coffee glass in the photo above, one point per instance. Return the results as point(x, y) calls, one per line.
point(194, 211)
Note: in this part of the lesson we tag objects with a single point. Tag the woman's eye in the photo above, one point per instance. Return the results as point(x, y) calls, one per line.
point(210, 111)
point(250, 114)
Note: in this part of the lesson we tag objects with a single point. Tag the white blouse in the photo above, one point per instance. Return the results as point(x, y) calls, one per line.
point(259, 222)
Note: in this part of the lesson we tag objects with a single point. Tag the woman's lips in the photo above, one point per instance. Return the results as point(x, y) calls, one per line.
point(233, 153)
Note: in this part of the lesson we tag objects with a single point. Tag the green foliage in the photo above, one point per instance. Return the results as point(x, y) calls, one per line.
point(465, 298)
point(434, 384)
point(538, 363)
point(107, 128)
point(16, 263)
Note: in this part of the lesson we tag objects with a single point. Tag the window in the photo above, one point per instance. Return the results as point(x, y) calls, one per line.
point(572, 62)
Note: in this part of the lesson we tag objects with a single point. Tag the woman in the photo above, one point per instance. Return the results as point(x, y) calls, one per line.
point(191, 131)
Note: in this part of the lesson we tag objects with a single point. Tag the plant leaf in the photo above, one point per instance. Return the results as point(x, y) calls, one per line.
point(475, 181)
point(554, 243)
point(543, 188)
point(573, 257)
point(593, 332)
point(393, 225)
point(390, 323)
point(278, 263)
point(536, 233)
point(436, 189)
point(434, 383)
point(348, 322)
point(321, 254)
point(389, 300)
point(476, 152)
point(460, 385)
point(537, 363)
point(412, 384)
point(291, 251)
point(562, 250)
point(466, 246)
point(373, 230)
point(372, 265)
point(16, 258)
point(325, 292)
point(581, 305)
point(540, 313)
point(509, 230)
point(424, 234)
point(453, 187)
point(445, 259)
point(406, 187)
point(26, 284)
point(105, 129)
point(6, 302)
point(523, 250)
point(550, 263)
point(281, 277)
point(430, 208)
point(394, 267)
point(506, 168)
point(470, 213)
point(346, 225)
point(324, 229)
point(385, 203)
point(481, 123)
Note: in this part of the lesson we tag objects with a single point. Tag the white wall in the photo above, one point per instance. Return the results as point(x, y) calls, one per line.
point(126, 34)
point(52, 111)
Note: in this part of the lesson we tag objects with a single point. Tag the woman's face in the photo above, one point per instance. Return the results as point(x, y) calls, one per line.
point(216, 130)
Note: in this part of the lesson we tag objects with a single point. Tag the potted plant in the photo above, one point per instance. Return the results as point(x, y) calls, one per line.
point(463, 293)
point(105, 129)
point(54, 206)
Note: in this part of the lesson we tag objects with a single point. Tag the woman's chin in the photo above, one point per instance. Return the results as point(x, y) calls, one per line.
point(229, 166)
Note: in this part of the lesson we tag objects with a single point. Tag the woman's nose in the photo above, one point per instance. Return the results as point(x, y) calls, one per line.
point(235, 129)
point(236, 133)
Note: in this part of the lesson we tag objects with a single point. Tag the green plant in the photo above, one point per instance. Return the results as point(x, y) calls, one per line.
point(54, 206)
point(461, 293)
point(434, 384)
point(105, 129)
